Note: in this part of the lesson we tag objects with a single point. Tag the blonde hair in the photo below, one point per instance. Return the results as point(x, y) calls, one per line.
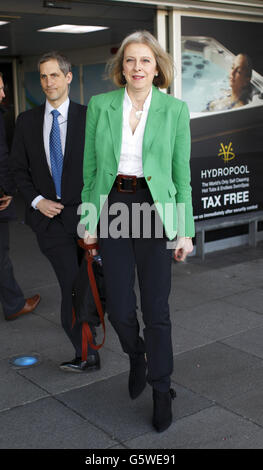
point(164, 61)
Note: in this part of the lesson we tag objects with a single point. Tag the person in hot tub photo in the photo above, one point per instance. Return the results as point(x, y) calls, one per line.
point(239, 80)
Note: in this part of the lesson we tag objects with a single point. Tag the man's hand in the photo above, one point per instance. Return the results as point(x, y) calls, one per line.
point(184, 246)
point(49, 208)
point(4, 202)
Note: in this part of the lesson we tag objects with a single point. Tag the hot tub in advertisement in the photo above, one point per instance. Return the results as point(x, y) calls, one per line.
point(227, 144)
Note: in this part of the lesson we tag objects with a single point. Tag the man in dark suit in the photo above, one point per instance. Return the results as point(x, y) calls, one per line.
point(11, 297)
point(47, 164)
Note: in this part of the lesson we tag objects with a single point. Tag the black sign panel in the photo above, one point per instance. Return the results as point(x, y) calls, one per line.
point(226, 187)
point(222, 83)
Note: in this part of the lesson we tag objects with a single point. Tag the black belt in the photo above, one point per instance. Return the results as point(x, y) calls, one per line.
point(129, 183)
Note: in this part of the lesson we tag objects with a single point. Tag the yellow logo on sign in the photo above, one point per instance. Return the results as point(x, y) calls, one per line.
point(226, 152)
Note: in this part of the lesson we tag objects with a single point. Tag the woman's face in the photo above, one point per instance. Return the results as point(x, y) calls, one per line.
point(239, 77)
point(139, 67)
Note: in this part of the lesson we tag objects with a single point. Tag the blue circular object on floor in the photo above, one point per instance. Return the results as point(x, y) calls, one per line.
point(24, 361)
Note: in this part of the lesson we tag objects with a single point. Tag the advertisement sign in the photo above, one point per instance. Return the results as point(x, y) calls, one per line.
point(227, 183)
point(222, 83)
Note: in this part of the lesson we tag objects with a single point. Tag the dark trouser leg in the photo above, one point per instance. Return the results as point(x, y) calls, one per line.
point(61, 250)
point(119, 274)
point(11, 296)
point(153, 261)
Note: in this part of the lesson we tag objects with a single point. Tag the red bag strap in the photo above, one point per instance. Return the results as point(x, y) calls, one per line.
point(87, 247)
point(87, 337)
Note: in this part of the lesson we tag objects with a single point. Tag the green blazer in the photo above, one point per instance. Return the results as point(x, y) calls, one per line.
point(166, 154)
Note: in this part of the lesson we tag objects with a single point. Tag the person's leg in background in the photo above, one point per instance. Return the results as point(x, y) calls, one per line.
point(11, 296)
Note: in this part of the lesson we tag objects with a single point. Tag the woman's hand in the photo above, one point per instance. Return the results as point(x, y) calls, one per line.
point(184, 246)
point(90, 239)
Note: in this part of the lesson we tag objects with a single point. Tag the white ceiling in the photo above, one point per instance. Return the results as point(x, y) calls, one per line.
point(253, 7)
point(27, 16)
point(121, 17)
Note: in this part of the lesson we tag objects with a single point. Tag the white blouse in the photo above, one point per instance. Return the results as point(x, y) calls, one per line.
point(131, 150)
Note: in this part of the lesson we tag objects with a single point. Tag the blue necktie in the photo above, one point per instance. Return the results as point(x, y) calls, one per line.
point(56, 155)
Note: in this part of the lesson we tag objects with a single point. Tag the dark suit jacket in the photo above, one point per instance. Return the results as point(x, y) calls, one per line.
point(5, 177)
point(31, 172)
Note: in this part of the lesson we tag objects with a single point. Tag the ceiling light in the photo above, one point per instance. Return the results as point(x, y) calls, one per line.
point(72, 28)
point(3, 47)
point(56, 4)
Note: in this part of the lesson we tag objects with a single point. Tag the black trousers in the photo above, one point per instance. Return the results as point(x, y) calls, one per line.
point(61, 249)
point(11, 296)
point(120, 257)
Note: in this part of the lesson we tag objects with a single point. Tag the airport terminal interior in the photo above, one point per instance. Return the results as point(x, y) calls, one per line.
point(202, 36)
point(216, 296)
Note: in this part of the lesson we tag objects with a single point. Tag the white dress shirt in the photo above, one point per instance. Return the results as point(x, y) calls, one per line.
point(131, 149)
point(48, 120)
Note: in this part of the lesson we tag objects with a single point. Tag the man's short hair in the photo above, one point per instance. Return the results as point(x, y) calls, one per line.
point(63, 62)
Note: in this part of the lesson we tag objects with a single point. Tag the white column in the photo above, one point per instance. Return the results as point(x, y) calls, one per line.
point(161, 32)
point(175, 51)
point(160, 27)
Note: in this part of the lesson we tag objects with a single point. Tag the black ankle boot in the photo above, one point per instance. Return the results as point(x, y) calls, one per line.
point(137, 377)
point(162, 409)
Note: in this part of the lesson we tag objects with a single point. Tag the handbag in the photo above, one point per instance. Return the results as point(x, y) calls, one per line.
point(88, 298)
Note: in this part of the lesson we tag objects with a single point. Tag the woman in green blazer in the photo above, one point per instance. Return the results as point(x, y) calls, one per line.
point(137, 196)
